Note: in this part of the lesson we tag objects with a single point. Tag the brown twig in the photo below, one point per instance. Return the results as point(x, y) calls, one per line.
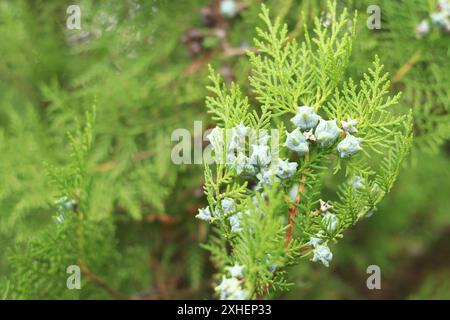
point(232, 52)
point(293, 212)
point(197, 64)
point(163, 218)
point(160, 283)
point(407, 67)
point(136, 157)
point(100, 282)
point(95, 279)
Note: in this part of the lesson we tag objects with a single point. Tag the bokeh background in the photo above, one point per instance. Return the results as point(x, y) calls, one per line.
point(144, 65)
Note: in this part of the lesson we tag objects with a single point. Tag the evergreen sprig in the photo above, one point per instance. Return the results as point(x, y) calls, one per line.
point(268, 214)
point(40, 269)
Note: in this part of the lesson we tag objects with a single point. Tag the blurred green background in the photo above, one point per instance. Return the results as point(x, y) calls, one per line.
point(144, 64)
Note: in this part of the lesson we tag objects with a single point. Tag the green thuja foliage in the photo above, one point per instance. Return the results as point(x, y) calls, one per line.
point(40, 266)
point(132, 62)
point(270, 213)
point(145, 63)
point(417, 58)
point(410, 228)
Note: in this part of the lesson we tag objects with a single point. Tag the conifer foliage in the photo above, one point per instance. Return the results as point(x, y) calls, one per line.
point(268, 212)
point(311, 121)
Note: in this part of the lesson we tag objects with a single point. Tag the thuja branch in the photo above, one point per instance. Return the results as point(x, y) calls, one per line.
point(72, 183)
point(332, 122)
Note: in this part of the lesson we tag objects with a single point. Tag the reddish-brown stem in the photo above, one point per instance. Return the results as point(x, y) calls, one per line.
point(94, 278)
point(407, 67)
point(100, 282)
point(163, 218)
point(138, 156)
point(197, 64)
point(293, 212)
